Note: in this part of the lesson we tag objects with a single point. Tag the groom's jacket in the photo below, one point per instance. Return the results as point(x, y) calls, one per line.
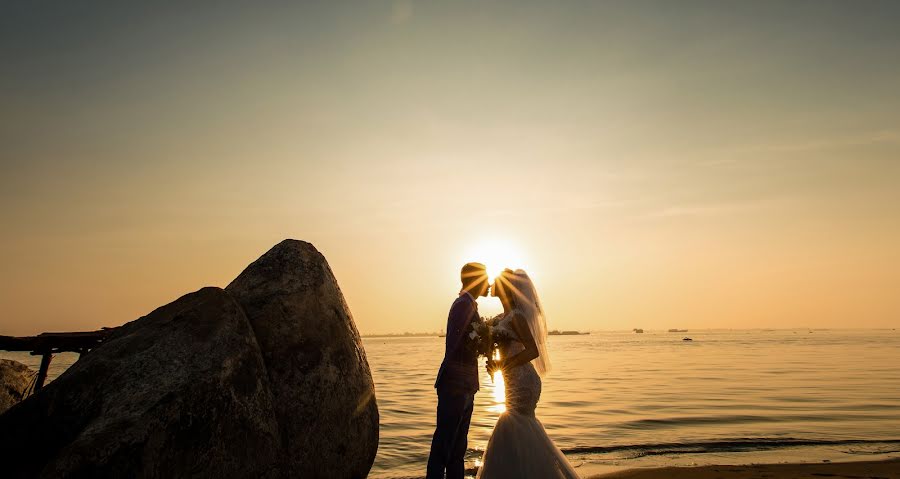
point(459, 371)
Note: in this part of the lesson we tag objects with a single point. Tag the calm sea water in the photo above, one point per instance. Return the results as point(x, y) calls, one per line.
point(620, 399)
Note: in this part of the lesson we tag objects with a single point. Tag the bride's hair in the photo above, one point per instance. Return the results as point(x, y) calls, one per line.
point(522, 296)
point(513, 285)
point(503, 283)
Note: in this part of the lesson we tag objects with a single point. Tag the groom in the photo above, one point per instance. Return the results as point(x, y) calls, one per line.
point(457, 380)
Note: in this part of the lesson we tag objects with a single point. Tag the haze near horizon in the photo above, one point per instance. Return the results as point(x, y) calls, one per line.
point(652, 164)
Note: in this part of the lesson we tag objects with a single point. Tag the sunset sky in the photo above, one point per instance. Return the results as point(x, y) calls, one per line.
point(654, 164)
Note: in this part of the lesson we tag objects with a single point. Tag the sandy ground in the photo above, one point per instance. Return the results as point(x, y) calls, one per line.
point(850, 470)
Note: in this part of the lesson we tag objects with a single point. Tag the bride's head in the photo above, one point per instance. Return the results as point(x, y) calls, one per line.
point(517, 292)
point(509, 287)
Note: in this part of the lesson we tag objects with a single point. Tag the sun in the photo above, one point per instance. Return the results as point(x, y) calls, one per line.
point(496, 255)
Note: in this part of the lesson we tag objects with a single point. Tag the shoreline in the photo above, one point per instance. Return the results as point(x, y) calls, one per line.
point(883, 469)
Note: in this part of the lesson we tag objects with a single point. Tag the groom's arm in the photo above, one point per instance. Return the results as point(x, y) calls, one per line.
point(459, 316)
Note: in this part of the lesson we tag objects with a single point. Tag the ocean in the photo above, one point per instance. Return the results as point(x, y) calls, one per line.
point(620, 399)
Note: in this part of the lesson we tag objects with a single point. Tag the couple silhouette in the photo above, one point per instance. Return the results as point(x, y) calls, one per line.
point(519, 446)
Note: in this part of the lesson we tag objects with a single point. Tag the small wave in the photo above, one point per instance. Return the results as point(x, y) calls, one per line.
point(634, 451)
point(469, 472)
point(732, 445)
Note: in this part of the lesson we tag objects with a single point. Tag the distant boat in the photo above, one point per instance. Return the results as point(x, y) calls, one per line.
point(686, 339)
point(557, 332)
point(678, 330)
point(638, 330)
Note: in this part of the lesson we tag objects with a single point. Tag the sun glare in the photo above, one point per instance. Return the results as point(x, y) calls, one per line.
point(496, 255)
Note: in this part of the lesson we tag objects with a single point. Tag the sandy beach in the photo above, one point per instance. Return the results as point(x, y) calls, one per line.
point(855, 470)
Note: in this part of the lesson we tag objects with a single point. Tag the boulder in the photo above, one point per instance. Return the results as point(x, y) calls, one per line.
point(15, 380)
point(180, 392)
point(317, 368)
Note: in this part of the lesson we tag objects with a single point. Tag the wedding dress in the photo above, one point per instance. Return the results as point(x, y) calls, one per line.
point(519, 447)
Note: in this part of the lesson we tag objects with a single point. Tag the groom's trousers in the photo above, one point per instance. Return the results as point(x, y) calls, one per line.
point(448, 445)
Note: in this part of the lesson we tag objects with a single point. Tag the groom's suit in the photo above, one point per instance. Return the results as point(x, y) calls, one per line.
point(456, 384)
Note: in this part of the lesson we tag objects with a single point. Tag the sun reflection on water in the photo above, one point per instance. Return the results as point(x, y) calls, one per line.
point(499, 390)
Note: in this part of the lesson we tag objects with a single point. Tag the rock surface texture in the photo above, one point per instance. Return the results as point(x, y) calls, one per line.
point(322, 388)
point(264, 379)
point(15, 378)
point(181, 392)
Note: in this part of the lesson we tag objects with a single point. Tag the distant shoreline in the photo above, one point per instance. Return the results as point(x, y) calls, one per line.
point(631, 331)
point(425, 335)
point(402, 335)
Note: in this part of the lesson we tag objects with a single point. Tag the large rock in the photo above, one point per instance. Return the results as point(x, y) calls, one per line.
point(322, 387)
point(181, 392)
point(15, 379)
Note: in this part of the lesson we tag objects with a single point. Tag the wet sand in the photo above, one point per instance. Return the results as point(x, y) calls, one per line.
point(850, 470)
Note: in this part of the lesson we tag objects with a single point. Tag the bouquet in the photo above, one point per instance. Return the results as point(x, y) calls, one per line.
point(484, 337)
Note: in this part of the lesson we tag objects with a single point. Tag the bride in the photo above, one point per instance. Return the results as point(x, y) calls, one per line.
point(519, 446)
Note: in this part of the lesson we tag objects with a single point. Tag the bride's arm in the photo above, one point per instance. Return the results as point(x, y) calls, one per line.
point(531, 350)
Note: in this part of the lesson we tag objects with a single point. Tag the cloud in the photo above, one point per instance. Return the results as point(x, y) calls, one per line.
point(772, 155)
point(761, 154)
point(557, 207)
point(861, 139)
point(714, 209)
point(401, 11)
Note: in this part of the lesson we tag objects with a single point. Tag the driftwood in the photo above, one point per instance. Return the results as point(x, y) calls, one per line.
point(48, 344)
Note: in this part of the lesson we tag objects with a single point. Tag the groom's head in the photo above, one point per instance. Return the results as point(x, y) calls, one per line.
point(474, 279)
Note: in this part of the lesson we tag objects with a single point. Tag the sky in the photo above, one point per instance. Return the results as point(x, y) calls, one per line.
point(652, 164)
